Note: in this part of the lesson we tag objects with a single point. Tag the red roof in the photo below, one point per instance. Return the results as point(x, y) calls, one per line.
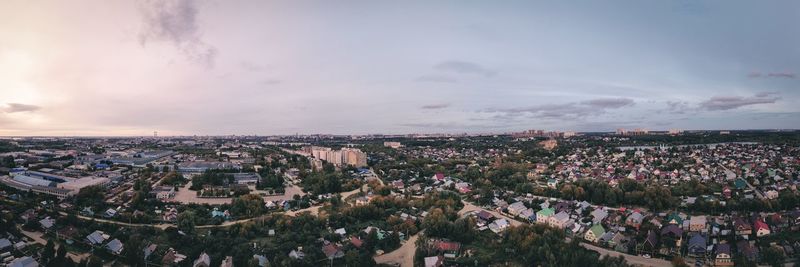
point(356, 242)
point(448, 246)
point(759, 224)
point(439, 176)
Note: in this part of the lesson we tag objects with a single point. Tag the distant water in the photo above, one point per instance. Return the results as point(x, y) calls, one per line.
point(711, 145)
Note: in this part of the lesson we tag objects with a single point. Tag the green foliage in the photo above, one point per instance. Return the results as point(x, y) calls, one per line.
point(248, 206)
point(211, 177)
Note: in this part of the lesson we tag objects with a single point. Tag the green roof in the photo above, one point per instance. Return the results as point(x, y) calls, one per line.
point(546, 212)
point(674, 216)
point(598, 230)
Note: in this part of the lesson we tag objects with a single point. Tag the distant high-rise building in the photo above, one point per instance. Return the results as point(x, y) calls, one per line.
point(675, 131)
point(392, 144)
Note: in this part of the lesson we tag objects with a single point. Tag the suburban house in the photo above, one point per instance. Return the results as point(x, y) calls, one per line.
point(594, 233)
point(761, 228)
point(543, 216)
point(697, 224)
point(516, 207)
point(742, 227)
point(96, 238)
point(635, 219)
point(722, 254)
point(697, 245)
point(599, 215)
point(115, 246)
point(559, 220)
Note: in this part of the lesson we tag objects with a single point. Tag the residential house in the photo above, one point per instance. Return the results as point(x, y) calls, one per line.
point(115, 246)
point(228, 262)
point(97, 238)
point(449, 248)
point(434, 261)
point(722, 254)
point(634, 220)
point(332, 251)
point(543, 216)
point(559, 220)
point(761, 228)
point(202, 261)
point(528, 214)
point(499, 225)
point(598, 215)
point(516, 207)
point(697, 245)
point(697, 224)
point(594, 233)
point(742, 227)
point(649, 244)
point(24, 262)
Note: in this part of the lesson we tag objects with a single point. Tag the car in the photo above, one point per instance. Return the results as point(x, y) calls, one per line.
point(646, 256)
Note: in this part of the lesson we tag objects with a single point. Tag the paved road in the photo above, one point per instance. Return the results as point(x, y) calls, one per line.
point(632, 259)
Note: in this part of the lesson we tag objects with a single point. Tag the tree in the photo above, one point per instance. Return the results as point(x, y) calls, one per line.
point(186, 221)
point(49, 251)
point(774, 256)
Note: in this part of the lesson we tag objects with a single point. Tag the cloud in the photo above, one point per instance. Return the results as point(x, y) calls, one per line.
point(436, 106)
point(436, 79)
point(251, 66)
point(464, 67)
point(175, 22)
point(17, 107)
point(609, 102)
point(678, 107)
point(271, 82)
point(733, 102)
point(573, 110)
point(785, 75)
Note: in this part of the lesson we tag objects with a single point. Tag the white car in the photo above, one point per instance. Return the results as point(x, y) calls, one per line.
point(646, 256)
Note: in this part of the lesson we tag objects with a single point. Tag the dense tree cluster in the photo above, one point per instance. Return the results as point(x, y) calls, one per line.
point(211, 177)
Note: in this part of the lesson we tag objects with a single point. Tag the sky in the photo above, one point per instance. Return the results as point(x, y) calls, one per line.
point(183, 67)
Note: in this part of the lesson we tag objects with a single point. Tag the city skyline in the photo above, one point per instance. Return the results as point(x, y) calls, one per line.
point(281, 68)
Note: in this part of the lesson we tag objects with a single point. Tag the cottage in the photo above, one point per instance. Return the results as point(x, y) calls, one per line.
point(559, 220)
point(761, 228)
point(742, 227)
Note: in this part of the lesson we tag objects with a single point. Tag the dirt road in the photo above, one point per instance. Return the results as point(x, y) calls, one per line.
point(403, 255)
